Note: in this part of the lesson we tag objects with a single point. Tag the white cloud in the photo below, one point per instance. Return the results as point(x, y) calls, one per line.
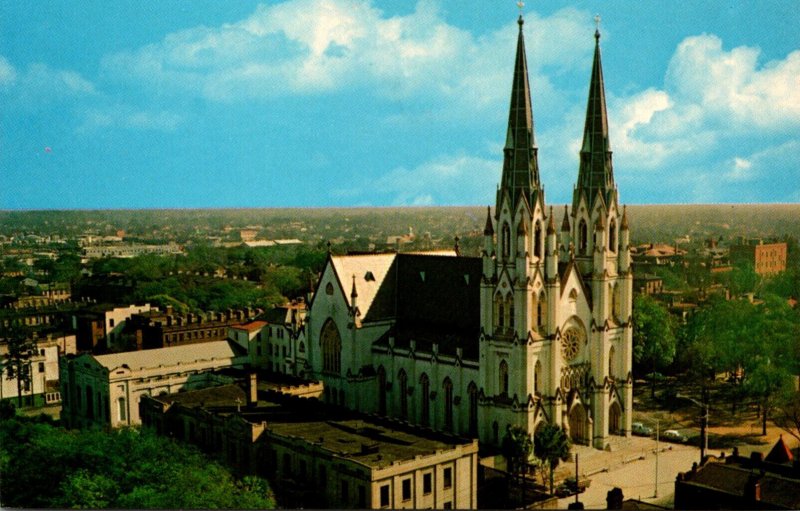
point(444, 181)
point(7, 72)
point(318, 46)
point(124, 116)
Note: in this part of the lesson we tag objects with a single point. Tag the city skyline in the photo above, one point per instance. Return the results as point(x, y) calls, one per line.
point(346, 103)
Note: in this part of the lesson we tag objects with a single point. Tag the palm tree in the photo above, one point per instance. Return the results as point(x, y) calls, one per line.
point(552, 444)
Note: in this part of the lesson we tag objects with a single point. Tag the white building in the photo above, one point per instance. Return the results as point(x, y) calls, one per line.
point(43, 388)
point(537, 330)
point(105, 390)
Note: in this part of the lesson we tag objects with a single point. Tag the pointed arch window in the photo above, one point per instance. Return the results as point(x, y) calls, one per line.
point(503, 373)
point(331, 344)
point(510, 309)
point(612, 235)
point(537, 377)
point(537, 240)
point(611, 354)
point(500, 312)
point(425, 408)
point(506, 241)
point(541, 313)
point(402, 379)
point(583, 238)
point(447, 387)
point(381, 390)
point(472, 391)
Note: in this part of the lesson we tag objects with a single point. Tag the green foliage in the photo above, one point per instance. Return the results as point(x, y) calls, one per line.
point(653, 335)
point(46, 466)
point(551, 444)
point(742, 279)
point(517, 447)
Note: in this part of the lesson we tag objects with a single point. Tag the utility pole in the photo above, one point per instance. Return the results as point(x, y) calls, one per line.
point(655, 496)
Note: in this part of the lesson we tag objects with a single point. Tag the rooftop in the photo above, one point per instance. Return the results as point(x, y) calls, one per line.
point(171, 356)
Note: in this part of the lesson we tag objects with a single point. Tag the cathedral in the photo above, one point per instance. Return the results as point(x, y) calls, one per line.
point(536, 330)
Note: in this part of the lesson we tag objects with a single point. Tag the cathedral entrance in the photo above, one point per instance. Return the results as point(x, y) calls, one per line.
point(578, 425)
point(614, 418)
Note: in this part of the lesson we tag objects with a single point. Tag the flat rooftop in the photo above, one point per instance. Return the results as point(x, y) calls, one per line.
point(372, 441)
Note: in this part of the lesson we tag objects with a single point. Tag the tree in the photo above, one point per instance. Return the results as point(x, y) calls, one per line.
point(788, 417)
point(517, 447)
point(21, 347)
point(653, 336)
point(551, 444)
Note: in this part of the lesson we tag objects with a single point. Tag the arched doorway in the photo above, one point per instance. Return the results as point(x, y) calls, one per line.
point(614, 418)
point(578, 425)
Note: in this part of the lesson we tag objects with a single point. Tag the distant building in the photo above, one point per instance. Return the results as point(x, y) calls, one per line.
point(156, 329)
point(648, 284)
point(99, 326)
point(127, 251)
point(738, 482)
point(766, 258)
point(318, 456)
point(104, 390)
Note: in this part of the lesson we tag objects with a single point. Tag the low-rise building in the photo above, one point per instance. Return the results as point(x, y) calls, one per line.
point(43, 385)
point(127, 251)
point(156, 329)
point(104, 390)
point(99, 326)
point(320, 456)
point(739, 482)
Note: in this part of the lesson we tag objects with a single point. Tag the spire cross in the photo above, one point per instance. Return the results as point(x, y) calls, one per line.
point(597, 25)
point(520, 4)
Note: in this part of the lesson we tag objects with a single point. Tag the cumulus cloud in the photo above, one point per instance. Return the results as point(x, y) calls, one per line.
point(444, 181)
point(319, 46)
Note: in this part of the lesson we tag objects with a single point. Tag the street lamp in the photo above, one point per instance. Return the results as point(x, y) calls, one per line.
point(703, 424)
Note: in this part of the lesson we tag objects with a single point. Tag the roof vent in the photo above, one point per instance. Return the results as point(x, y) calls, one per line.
point(422, 276)
point(369, 277)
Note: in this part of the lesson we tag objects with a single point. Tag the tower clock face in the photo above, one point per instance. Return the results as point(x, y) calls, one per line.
point(571, 343)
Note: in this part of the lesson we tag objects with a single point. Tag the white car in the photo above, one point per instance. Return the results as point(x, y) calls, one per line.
point(637, 428)
point(672, 435)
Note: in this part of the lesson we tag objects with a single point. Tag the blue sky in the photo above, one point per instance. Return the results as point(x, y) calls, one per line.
point(317, 103)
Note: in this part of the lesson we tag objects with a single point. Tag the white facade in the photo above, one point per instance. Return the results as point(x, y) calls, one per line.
point(105, 390)
point(552, 340)
point(43, 387)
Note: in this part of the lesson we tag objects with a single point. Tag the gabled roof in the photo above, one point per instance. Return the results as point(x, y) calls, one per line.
point(370, 271)
point(253, 326)
point(780, 453)
point(189, 353)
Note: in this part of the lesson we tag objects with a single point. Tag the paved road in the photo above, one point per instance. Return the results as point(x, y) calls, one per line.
point(632, 467)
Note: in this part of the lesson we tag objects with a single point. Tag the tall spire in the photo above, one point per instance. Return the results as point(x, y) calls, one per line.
point(520, 165)
point(596, 170)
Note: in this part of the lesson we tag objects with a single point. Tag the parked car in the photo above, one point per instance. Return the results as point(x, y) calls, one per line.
point(570, 487)
point(672, 435)
point(637, 428)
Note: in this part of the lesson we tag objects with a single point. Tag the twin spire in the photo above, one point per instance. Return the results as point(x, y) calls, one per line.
point(520, 163)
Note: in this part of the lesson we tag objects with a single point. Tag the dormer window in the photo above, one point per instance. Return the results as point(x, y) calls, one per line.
point(369, 277)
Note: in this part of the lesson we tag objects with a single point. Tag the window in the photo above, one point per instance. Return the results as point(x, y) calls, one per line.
point(406, 489)
point(506, 246)
point(448, 404)
point(537, 375)
point(537, 240)
point(427, 483)
point(331, 347)
point(611, 354)
point(258, 349)
point(425, 387)
point(472, 390)
point(122, 409)
point(345, 493)
point(447, 505)
point(302, 469)
point(381, 390)
point(447, 478)
point(287, 465)
point(41, 367)
point(329, 289)
point(384, 491)
point(402, 377)
point(612, 236)
point(302, 347)
point(111, 322)
point(323, 477)
point(503, 378)
point(582, 237)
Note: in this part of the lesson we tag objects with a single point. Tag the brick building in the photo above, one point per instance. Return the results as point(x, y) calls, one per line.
point(156, 329)
point(766, 258)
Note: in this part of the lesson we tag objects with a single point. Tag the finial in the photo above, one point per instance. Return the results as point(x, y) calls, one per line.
point(353, 293)
point(521, 5)
point(329, 246)
point(597, 26)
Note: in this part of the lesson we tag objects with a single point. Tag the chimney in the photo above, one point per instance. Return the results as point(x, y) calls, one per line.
point(169, 309)
point(752, 489)
point(614, 498)
point(252, 389)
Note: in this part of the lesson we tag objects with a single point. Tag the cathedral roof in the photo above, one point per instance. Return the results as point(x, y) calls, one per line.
point(370, 271)
point(520, 164)
point(595, 175)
